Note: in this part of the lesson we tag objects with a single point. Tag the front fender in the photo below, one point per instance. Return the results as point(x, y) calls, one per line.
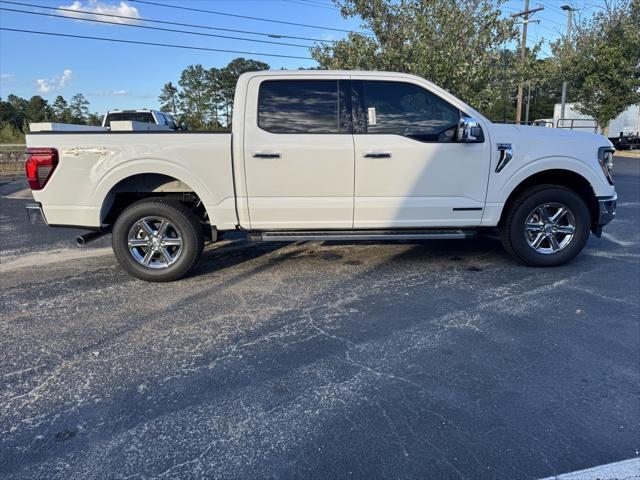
point(500, 189)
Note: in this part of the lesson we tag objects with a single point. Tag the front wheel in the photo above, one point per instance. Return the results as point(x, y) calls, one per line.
point(157, 240)
point(546, 226)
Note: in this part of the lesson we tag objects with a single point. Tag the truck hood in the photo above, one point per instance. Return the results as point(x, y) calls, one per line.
point(557, 141)
point(533, 143)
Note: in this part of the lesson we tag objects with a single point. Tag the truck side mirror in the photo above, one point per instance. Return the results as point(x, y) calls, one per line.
point(470, 131)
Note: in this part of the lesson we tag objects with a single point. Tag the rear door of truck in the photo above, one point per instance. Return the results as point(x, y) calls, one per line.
point(298, 152)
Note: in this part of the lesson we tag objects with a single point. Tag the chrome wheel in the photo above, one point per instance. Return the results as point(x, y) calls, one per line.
point(549, 228)
point(155, 242)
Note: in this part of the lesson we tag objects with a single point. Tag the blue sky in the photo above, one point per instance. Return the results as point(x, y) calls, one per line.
point(128, 76)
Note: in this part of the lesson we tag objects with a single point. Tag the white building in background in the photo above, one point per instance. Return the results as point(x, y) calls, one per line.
point(627, 122)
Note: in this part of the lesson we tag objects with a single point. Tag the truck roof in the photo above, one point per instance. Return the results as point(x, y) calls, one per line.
point(138, 110)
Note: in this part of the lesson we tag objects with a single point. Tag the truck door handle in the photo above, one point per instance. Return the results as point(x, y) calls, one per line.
point(265, 154)
point(376, 154)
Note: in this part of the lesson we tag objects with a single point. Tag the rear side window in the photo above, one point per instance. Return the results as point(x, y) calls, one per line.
point(408, 110)
point(304, 106)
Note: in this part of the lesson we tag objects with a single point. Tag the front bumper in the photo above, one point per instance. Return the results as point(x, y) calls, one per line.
point(35, 214)
point(606, 212)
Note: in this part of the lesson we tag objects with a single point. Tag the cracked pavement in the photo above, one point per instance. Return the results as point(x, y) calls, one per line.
point(439, 359)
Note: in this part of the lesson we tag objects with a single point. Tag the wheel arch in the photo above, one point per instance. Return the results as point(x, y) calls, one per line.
point(557, 177)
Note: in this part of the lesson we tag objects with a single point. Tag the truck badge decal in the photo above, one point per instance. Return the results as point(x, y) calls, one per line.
point(86, 150)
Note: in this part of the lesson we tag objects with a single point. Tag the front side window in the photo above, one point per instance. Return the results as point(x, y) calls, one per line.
point(408, 110)
point(302, 106)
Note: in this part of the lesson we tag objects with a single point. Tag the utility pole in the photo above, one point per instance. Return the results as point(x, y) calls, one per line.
point(526, 112)
point(567, 41)
point(523, 52)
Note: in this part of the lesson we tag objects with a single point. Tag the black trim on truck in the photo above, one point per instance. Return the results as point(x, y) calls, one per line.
point(134, 132)
point(606, 213)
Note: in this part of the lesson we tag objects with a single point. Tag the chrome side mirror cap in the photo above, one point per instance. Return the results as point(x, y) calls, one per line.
point(470, 131)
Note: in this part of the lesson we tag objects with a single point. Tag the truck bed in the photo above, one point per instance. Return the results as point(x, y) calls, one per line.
point(93, 164)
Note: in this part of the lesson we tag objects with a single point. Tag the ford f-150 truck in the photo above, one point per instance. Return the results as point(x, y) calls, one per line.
point(327, 155)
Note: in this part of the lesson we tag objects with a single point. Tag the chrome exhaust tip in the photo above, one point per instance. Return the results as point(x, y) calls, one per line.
point(82, 240)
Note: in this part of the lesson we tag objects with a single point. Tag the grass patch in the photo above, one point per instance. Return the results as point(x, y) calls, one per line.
point(12, 148)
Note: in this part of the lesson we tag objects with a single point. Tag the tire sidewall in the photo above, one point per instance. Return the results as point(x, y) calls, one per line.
point(190, 248)
point(549, 195)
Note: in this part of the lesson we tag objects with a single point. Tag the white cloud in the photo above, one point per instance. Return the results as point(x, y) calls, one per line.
point(110, 93)
point(7, 76)
point(66, 76)
point(329, 37)
point(47, 85)
point(97, 7)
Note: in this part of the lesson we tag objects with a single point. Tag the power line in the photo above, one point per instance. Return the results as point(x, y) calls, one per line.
point(152, 28)
point(137, 42)
point(247, 17)
point(523, 50)
point(166, 22)
point(551, 6)
point(312, 4)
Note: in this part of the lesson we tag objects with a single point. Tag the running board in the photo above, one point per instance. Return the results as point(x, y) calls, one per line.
point(350, 235)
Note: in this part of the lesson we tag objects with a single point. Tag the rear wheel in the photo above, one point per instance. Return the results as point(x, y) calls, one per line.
point(157, 240)
point(546, 225)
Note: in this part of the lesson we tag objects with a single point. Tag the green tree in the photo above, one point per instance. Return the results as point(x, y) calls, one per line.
point(94, 119)
point(229, 77)
point(454, 44)
point(10, 134)
point(17, 110)
point(602, 62)
point(38, 110)
point(10, 115)
point(169, 99)
point(204, 98)
point(79, 108)
point(61, 112)
point(214, 78)
point(195, 96)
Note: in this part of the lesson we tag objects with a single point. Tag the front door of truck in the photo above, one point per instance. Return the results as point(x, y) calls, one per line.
point(410, 169)
point(298, 153)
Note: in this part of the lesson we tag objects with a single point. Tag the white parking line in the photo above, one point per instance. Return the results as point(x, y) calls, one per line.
point(23, 194)
point(39, 258)
point(624, 470)
point(613, 239)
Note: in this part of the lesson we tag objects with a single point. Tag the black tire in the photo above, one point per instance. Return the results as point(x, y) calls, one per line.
point(514, 235)
point(182, 222)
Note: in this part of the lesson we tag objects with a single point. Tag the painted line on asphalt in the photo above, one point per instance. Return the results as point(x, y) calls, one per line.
point(611, 238)
point(24, 194)
point(624, 470)
point(40, 258)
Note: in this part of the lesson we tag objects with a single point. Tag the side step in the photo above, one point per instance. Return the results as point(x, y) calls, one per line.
point(351, 235)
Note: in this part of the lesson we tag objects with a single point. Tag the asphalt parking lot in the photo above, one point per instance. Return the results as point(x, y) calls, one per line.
point(438, 360)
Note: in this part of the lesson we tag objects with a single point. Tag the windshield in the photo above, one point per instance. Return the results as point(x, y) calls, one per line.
point(144, 117)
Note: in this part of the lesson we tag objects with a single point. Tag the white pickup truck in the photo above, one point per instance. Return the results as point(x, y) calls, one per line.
point(326, 155)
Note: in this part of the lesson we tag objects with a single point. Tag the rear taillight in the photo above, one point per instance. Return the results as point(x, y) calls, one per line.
point(40, 164)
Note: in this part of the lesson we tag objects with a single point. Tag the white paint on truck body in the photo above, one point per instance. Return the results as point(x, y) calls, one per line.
point(317, 181)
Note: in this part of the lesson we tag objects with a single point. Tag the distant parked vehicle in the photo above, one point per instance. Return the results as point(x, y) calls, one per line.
point(154, 117)
point(543, 122)
point(626, 141)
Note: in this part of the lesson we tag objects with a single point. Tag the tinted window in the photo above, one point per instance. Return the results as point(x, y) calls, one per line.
point(144, 117)
point(302, 106)
point(408, 110)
